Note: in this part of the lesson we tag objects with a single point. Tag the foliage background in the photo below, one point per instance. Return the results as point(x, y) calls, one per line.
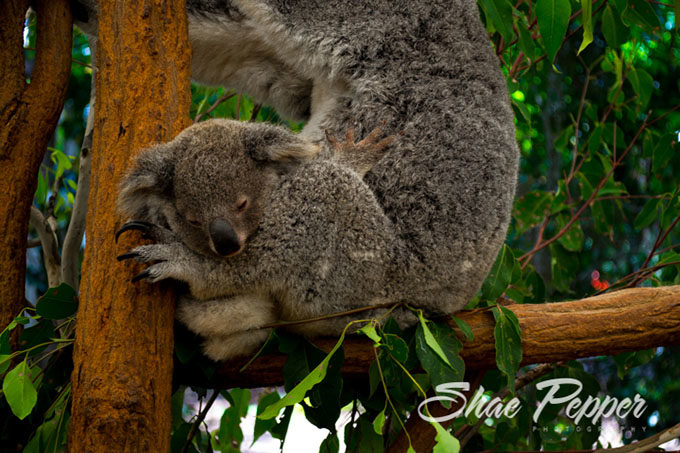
point(595, 86)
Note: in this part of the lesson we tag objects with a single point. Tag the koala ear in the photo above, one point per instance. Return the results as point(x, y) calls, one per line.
point(274, 145)
point(148, 184)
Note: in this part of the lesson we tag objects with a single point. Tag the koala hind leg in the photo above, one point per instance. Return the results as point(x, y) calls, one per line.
point(235, 345)
point(224, 317)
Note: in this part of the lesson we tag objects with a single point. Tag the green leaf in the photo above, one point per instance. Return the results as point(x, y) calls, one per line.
point(370, 332)
point(530, 209)
point(499, 12)
point(462, 325)
point(297, 394)
point(500, 274)
point(430, 340)
point(676, 10)
point(262, 426)
point(437, 370)
point(648, 214)
point(572, 239)
point(553, 18)
point(663, 151)
point(19, 391)
point(331, 444)
point(58, 303)
point(587, 21)
point(641, 13)
point(507, 334)
point(526, 43)
point(642, 84)
point(396, 347)
point(379, 422)
point(614, 31)
point(446, 443)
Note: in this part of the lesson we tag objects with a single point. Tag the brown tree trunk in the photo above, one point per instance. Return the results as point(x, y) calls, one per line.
point(123, 351)
point(28, 116)
point(626, 320)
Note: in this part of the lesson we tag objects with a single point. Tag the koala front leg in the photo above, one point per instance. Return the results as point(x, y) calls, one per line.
point(173, 261)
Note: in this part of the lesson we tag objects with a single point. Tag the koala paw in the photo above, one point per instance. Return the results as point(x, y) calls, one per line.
point(149, 231)
point(363, 155)
point(174, 261)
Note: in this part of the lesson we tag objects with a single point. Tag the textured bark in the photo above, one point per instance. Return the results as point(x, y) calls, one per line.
point(28, 116)
point(626, 320)
point(123, 351)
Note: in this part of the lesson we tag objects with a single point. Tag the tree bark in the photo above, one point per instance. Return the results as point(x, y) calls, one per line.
point(611, 323)
point(28, 116)
point(124, 344)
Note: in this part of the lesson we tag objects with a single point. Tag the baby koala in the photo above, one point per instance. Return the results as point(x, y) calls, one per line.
point(261, 228)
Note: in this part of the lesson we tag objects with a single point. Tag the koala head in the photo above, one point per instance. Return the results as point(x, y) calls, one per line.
point(211, 184)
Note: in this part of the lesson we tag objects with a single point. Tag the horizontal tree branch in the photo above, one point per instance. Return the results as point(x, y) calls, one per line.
point(611, 323)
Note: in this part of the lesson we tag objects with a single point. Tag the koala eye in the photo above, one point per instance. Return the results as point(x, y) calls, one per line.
point(242, 205)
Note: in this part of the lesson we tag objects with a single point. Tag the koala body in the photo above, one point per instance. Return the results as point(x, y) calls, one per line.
point(439, 202)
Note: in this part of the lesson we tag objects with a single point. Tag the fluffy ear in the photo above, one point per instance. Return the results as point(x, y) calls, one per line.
point(278, 146)
point(148, 183)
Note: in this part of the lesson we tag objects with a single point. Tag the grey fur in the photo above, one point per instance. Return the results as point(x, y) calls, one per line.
point(428, 219)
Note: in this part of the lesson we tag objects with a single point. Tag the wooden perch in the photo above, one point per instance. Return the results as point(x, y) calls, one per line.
point(626, 320)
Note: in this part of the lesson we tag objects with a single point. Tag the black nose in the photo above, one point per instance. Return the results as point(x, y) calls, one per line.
point(224, 237)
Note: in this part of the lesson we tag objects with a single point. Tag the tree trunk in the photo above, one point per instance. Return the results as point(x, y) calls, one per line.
point(28, 117)
point(626, 320)
point(124, 345)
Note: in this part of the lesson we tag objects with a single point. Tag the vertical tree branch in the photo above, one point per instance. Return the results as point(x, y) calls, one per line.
point(70, 252)
point(28, 116)
point(123, 351)
point(50, 247)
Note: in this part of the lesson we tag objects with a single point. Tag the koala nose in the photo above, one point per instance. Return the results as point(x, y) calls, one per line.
point(224, 237)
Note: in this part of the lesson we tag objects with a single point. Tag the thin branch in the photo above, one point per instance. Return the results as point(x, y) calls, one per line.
point(256, 110)
point(76, 229)
point(48, 239)
point(214, 105)
point(199, 419)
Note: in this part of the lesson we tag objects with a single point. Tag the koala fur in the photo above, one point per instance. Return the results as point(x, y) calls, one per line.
point(425, 223)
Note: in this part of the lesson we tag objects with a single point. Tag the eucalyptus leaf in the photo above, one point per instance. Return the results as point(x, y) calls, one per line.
point(553, 18)
point(19, 391)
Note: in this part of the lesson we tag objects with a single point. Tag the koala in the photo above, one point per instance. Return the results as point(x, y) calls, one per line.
point(223, 195)
point(423, 225)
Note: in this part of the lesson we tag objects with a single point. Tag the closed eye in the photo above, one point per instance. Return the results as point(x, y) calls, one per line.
point(242, 205)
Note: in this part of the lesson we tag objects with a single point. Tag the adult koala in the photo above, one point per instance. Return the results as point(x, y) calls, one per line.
point(425, 68)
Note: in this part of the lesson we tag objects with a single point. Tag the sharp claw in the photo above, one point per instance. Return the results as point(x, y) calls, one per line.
point(141, 275)
point(140, 225)
point(126, 256)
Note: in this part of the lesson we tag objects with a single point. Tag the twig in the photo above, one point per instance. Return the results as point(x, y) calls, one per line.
point(199, 419)
point(274, 325)
point(214, 105)
point(256, 110)
point(76, 228)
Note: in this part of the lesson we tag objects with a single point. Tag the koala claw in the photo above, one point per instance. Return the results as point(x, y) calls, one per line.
point(144, 274)
point(127, 256)
point(144, 227)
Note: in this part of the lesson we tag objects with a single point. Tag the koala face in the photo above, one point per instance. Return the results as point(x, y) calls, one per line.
point(212, 183)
